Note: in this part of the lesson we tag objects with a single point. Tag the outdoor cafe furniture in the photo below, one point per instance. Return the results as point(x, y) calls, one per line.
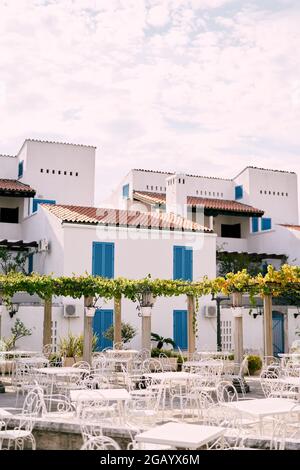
point(262, 408)
point(181, 435)
point(34, 361)
point(118, 395)
point(61, 377)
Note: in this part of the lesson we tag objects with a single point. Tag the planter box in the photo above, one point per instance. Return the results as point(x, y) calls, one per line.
point(68, 361)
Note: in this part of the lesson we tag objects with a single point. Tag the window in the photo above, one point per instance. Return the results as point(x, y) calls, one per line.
point(266, 223)
point(30, 263)
point(47, 171)
point(239, 192)
point(53, 172)
point(71, 173)
point(59, 172)
point(20, 169)
point(147, 187)
point(125, 191)
point(103, 259)
point(183, 263)
point(9, 215)
point(254, 224)
point(76, 174)
point(37, 202)
point(42, 171)
point(231, 231)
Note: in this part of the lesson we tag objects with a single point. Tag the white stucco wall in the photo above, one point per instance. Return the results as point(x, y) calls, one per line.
point(8, 167)
point(282, 207)
point(65, 189)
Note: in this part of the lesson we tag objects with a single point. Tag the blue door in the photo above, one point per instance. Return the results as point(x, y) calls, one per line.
point(180, 331)
point(103, 319)
point(278, 333)
point(103, 259)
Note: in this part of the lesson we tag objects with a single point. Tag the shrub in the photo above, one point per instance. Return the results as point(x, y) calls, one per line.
point(254, 364)
point(155, 352)
point(128, 332)
point(18, 331)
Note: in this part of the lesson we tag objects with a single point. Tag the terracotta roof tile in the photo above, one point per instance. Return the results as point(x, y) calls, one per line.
point(208, 203)
point(8, 187)
point(293, 227)
point(123, 218)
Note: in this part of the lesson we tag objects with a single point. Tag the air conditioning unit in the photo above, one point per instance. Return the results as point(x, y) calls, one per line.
point(210, 311)
point(72, 310)
point(43, 245)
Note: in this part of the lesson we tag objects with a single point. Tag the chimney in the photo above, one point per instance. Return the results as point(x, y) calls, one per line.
point(176, 194)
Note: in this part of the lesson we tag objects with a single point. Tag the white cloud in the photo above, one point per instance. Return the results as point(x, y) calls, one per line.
point(173, 84)
point(158, 16)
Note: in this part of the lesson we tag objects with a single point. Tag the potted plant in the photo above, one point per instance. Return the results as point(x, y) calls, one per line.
point(254, 364)
point(69, 348)
point(18, 331)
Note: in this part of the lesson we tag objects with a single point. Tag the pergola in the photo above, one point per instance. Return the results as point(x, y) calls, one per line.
point(274, 283)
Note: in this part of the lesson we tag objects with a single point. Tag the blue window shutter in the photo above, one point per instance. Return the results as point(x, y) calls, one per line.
point(20, 169)
point(109, 260)
point(103, 259)
point(178, 262)
point(183, 263)
point(254, 224)
point(266, 223)
point(239, 192)
point(125, 191)
point(180, 333)
point(103, 319)
point(30, 263)
point(188, 264)
point(36, 202)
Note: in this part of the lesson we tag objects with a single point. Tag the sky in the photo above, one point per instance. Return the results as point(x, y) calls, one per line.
point(199, 86)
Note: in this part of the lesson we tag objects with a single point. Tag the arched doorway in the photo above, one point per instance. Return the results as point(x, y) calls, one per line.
point(278, 333)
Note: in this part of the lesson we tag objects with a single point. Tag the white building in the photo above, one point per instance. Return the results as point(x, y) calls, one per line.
point(162, 224)
point(254, 212)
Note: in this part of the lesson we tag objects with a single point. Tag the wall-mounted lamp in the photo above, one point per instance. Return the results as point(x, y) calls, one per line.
point(13, 309)
point(259, 311)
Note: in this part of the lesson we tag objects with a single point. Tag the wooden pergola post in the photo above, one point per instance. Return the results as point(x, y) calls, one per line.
point(191, 326)
point(47, 328)
point(118, 322)
point(237, 302)
point(88, 331)
point(268, 327)
point(146, 328)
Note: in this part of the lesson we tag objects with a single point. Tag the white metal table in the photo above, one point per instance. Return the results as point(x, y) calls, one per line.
point(264, 407)
point(119, 395)
point(181, 435)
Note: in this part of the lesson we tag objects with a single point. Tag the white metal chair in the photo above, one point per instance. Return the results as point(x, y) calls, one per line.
point(100, 443)
point(23, 432)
